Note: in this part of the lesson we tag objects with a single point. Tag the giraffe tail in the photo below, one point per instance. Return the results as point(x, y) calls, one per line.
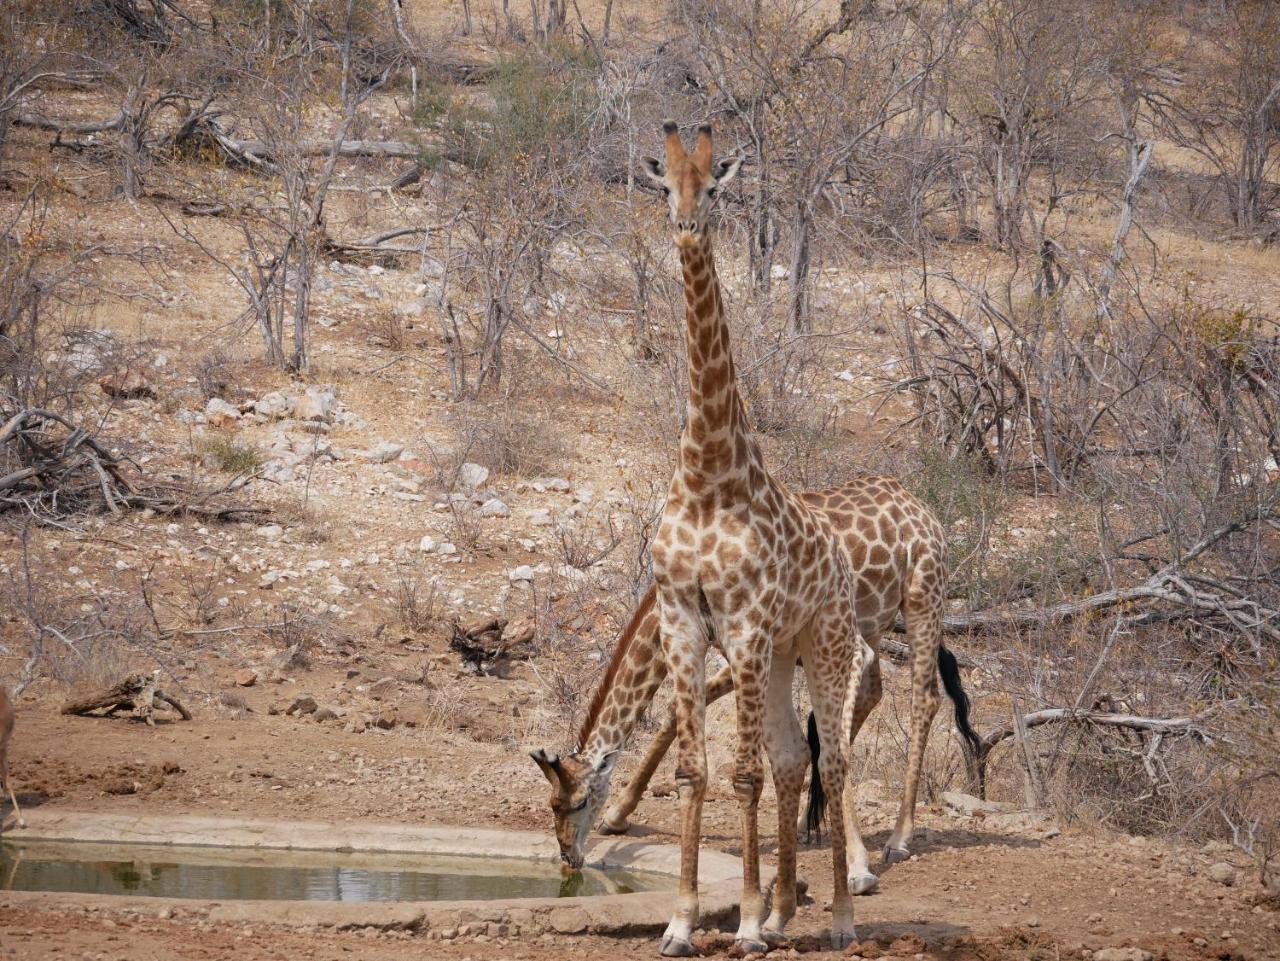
point(949, 671)
point(817, 796)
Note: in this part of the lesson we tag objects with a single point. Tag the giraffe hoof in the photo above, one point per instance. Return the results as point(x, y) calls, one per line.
point(751, 946)
point(673, 947)
point(621, 828)
point(842, 939)
point(774, 938)
point(863, 884)
point(893, 855)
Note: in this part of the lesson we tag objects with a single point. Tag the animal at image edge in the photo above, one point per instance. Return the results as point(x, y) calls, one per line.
point(771, 578)
point(6, 732)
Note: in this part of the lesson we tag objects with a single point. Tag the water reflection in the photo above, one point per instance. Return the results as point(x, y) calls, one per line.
point(250, 874)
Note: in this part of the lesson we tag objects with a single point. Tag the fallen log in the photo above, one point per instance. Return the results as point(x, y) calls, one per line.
point(483, 645)
point(136, 692)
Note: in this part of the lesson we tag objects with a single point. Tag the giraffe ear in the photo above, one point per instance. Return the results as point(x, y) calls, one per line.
point(725, 169)
point(654, 169)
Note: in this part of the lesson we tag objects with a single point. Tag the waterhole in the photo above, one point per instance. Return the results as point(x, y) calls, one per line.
point(248, 874)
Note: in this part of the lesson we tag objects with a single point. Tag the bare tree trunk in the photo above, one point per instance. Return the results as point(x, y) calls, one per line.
point(1139, 160)
point(800, 262)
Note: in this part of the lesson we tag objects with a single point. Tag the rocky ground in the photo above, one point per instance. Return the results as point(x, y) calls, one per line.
point(987, 881)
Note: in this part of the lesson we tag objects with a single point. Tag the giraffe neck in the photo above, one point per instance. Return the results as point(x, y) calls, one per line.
point(715, 423)
point(629, 683)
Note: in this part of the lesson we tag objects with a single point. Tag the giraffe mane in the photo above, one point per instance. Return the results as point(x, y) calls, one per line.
point(615, 665)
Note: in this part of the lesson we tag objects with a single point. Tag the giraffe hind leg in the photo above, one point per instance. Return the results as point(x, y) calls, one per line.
point(13, 798)
point(922, 611)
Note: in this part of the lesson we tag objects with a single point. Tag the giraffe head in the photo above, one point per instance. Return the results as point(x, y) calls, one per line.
point(689, 181)
point(579, 789)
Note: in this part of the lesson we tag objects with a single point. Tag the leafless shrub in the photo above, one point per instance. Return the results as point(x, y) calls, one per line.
point(417, 599)
point(511, 437)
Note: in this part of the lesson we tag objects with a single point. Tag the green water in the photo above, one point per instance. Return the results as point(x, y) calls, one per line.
point(247, 874)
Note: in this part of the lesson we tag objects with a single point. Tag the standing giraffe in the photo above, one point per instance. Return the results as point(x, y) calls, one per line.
point(741, 562)
point(580, 781)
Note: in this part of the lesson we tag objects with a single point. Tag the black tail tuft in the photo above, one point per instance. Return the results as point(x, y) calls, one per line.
point(817, 796)
point(950, 673)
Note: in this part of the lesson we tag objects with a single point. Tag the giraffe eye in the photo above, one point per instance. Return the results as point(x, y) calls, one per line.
point(711, 191)
point(666, 191)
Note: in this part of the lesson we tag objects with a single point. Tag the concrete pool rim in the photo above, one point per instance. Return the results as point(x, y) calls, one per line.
point(720, 875)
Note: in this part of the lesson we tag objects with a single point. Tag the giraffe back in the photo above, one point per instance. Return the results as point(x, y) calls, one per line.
point(888, 535)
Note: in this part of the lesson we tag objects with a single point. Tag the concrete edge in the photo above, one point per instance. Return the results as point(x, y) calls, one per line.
point(719, 876)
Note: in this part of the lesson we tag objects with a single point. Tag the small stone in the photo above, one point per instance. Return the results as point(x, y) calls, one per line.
point(218, 413)
point(382, 452)
point(316, 404)
point(324, 714)
point(907, 944)
point(385, 720)
point(472, 476)
point(522, 573)
point(304, 704)
point(268, 580)
point(493, 507)
point(1122, 954)
point(246, 677)
point(970, 806)
point(540, 517)
point(428, 544)
point(270, 532)
point(273, 405)
point(1223, 873)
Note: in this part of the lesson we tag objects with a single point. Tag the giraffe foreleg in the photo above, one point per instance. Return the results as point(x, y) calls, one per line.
point(788, 758)
point(685, 649)
point(749, 660)
point(617, 815)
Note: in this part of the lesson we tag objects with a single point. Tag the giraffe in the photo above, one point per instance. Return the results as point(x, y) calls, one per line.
point(743, 563)
point(581, 780)
point(6, 732)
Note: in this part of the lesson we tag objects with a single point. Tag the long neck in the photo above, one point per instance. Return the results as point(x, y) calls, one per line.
point(632, 678)
point(710, 444)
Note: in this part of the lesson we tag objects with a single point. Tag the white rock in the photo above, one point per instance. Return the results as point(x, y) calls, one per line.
point(274, 404)
point(411, 308)
point(269, 578)
point(540, 517)
point(317, 403)
point(845, 375)
point(1223, 873)
point(428, 544)
point(473, 475)
point(522, 573)
point(1121, 954)
point(319, 564)
point(270, 531)
point(382, 452)
point(493, 507)
point(219, 413)
point(446, 548)
point(544, 484)
point(969, 805)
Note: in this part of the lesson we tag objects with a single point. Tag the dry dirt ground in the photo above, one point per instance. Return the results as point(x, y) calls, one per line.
point(970, 892)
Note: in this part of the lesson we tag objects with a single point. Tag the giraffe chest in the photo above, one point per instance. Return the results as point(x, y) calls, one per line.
point(767, 570)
